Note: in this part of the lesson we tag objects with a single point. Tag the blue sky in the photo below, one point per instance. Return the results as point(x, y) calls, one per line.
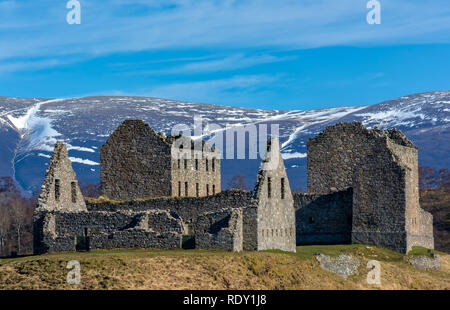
point(284, 54)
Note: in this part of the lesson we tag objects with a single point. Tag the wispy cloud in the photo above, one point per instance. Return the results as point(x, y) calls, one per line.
point(233, 91)
point(227, 63)
point(136, 25)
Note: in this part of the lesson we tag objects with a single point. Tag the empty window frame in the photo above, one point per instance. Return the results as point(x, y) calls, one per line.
point(73, 187)
point(57, 189)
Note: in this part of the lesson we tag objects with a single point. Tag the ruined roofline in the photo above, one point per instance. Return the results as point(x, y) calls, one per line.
point(49, 173)
point(394, 135)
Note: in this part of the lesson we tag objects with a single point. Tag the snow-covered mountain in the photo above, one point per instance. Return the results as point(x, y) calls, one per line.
point(30, 127)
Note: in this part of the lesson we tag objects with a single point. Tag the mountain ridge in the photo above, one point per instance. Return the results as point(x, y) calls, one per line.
point(29, 127)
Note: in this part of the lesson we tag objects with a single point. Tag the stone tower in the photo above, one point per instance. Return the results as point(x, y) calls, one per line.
point(60, 190)
point(275, 205)
point(381, 167)
point(138, 162)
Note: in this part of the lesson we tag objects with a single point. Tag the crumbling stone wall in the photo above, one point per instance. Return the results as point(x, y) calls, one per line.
point(60, 190)
point(323, 218)
point(188, 208)
point(275, 205)
point(220, 230)
point(227, 220)
point(195, 168)
point(381, 167)
point(137, 162)
point(62, 231)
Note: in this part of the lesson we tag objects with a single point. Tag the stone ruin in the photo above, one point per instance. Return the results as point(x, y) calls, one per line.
point(164, 192)
point(155, 165)
point(364, 185)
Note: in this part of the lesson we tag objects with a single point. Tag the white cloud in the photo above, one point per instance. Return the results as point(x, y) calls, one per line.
point(229, 63)
point(40, 30)
point(231, 90)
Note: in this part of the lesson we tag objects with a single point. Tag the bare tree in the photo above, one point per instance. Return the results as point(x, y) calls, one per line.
point(16, 218)
point(5, 227)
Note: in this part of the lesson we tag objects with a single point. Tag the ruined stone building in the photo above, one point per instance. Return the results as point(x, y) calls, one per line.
point(164, 192)
point(379, 169)
point(141, 173)
point(155, 165)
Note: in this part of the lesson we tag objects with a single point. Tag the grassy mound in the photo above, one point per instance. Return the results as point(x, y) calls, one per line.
point(207, 269)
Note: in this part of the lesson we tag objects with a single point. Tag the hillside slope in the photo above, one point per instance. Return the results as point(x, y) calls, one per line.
point(437, 202)
point(30, 127)
point(194, 269)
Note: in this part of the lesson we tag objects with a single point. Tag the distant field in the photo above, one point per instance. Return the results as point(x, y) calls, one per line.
point(202, 269)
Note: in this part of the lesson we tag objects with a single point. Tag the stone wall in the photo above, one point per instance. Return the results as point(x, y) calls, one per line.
point(323, 218)
point(220, 230)
point(62, 231)
point(275, 211)
point(135, 163)
point(195, 172)
point(336, 153)
point(60, 190)
point(381, 168)
point(188, 208)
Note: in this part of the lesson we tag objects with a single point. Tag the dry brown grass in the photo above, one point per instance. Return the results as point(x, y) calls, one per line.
point(193, 269)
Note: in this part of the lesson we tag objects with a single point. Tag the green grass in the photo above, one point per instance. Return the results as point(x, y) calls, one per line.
point(308, 251)
point(418, 251)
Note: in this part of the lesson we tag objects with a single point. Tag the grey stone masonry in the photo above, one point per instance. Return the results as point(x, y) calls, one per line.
point(275, 225)
point(381, 168)
point(137, 162)
point(60, 190)
point(165, 192)
point(323, 218)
